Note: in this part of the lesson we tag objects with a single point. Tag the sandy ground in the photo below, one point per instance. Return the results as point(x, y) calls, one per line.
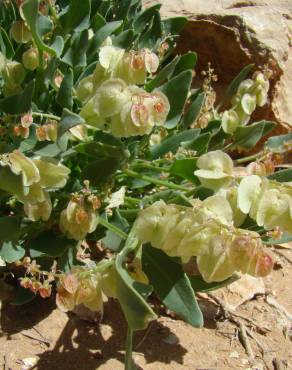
point(64, 342)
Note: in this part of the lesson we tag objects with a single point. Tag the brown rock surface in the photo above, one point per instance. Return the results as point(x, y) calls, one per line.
point(231, 34)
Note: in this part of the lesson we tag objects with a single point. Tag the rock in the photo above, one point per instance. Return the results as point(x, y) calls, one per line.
point(241, 291)
point(231, 34)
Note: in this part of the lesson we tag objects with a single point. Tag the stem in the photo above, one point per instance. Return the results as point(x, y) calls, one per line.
point(45, 115)
point(133, 200)
point(152, 180)
point(249, 158)
point(148, 166)
point(53, 12)
point(41, 60)
point(129, 350)
point(113, 228)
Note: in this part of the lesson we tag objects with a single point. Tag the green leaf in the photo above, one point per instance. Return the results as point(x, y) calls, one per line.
point(6, 46)
point(75, 56)
point(174, 26)
point(187, 61)
point(30, 13)
point(100, 36)
point(169, 196)
point(194, 110)
point(77, 17)
point(11, 252)
point(124, 39)
point(123, 8)
point(10, 182)
point(171, 285)
point(64, 97)
point(185, 168)
point(200, 285)
point(44, 25)
point(100, 171)
point(232, 88)
point(101, 150)
point(282, 176)
point(19, 103)
point(136, 310)
point(248, 136)
point(144, 18)
point(68, 120)
point(49, 244)
point(22, 296)
point(163, 75)
point(98, 21)
point(199, 144)
point(181, 83)
point(150, 37)
point(51, 150)
point(172, 142)
point(9, 228)
point(279, 144)
point(112, 240)
point(58, 46)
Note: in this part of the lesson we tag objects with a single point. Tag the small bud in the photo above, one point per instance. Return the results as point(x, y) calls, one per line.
point(26, 283)
point(45, 291)
point(26, 120)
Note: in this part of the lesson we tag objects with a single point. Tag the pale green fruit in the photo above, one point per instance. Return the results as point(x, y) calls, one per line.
point(245, 86)
point(110, 56)
point(90, 115)
point(39, 211)
point(30, 59)
point(248, 256)
point(196, 239)
point(100, 75)
point(261, 97)
point(242, 116)
point(248, 192)
point(109, 282)
point(76, 221)
point(231, 194)
point(215, 169)
point(230, 121)
point(135, 65)
point(159, 106)
point(176, 241)
point(214, 261)
point(262, 89)
point(110, 98)
point(13, 74)
point(33, 194)
point(151, 61)
point(219, 208)
point(20, 32)
point(53, 175)
point(85, 89)
point(248, 103)
point(80, 287)
point(52, 131)
point(22, 165)
point(274, 210)
point(89, 291)
point(155, 223)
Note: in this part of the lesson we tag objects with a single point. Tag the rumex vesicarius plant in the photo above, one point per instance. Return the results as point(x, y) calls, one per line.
point(104, 141)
